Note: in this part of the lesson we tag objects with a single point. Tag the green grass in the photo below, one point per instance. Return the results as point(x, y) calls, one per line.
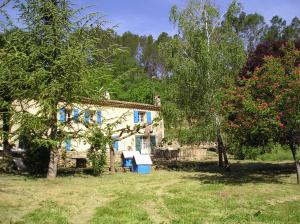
point(251, 193)
point(277, 155)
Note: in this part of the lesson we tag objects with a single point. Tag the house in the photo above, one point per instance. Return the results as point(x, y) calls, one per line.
point(103, 112)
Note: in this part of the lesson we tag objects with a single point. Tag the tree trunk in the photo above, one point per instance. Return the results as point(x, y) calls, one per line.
point(226, 162)
point(54, 152)
point(220, 149)
point(294, 152)
point(112, 159)
point(53, 164)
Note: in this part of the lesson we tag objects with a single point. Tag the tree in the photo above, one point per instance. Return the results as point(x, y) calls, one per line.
point(280, 31)
point(249, 27)
point(60, 53)
point(292, 32)
point(11, 77)
point(256, 58)
point(203, 58)
point(275, 31)
point(265, 106)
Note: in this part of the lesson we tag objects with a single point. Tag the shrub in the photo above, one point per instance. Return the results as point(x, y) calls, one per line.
point(276, 152)
point(37, 159)
point(97, 151)
point(249, 152)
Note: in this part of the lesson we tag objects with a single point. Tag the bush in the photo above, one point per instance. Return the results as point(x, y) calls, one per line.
point(97, 151)
point(37, 159)
point(249, 152)
point(270, 152)
point(6, 164)
point(276, 152)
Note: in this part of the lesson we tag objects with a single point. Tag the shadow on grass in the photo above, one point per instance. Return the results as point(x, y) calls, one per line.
point(241, 172)
point(62, 172)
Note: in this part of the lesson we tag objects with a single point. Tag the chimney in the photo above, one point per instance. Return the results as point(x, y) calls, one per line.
point(106, 95)
point(157, 101)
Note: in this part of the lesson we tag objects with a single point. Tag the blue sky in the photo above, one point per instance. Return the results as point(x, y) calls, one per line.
point(146, 17)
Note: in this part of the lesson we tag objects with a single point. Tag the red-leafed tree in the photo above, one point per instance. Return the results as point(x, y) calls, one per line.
point(256, 59)
point(265, 105)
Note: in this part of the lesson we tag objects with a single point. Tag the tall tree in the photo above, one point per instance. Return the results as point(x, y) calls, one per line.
point(275, 30)
point(60, 52)
point(204, 58)
point(265, 106)
point(250, 27)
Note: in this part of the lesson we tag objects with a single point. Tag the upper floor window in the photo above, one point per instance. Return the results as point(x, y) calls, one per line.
point(141, 117)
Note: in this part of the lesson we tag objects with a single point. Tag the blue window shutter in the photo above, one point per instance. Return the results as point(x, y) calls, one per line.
point(76, 115)
point(149, 118)
point(136, 116)
point(87, 116)
point(62, 115)
point(116, 145)
point(68, 144)
point(99, 119)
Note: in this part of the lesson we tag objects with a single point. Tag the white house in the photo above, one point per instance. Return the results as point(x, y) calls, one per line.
point(108, 111)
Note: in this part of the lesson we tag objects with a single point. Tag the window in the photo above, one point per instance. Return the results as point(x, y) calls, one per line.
point(141, 117)
point(142, 144)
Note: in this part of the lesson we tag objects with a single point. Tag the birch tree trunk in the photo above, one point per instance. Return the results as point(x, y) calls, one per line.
point(220, 150)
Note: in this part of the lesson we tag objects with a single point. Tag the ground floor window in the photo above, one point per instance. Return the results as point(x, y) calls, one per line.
point(142, 144)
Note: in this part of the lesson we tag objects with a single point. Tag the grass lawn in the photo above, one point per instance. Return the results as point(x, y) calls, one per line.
point(184, 193)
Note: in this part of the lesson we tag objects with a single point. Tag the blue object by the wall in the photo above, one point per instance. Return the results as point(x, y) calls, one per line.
point(62, 115)
point(87, 116)
point(149, 118)
point(142, 169)
point(136, 116)
point(127, 162)
point(99, 119)
point(68, 144)
point(76, 115)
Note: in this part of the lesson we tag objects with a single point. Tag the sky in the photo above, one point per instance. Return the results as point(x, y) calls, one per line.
point(145, 17)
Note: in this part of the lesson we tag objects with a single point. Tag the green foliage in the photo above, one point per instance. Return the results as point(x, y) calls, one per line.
point(265, 107)
point(279, 30)
point(250, 152)
point(203, 58)
point(37, 159)
point(6, 164)
point(97, 153)
point(276, 152)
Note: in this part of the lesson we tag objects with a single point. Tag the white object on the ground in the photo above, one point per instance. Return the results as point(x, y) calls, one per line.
point(142, 159)
point(130, 154)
